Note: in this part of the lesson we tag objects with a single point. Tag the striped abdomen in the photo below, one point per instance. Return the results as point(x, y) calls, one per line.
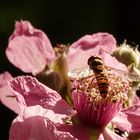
point(96, 64)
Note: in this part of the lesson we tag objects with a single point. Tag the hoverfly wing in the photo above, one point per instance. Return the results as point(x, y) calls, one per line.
point(134, 77)
point(124, 74)
point(80, 73)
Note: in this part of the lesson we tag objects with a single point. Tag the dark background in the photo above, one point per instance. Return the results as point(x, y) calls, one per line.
point(65, 21)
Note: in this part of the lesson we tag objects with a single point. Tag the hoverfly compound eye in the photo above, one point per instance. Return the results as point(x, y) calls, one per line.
point(90, 60)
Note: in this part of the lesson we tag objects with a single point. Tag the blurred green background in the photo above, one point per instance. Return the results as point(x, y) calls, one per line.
point(64, 22)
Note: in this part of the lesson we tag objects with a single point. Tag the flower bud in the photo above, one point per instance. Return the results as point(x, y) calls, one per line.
point(131, 58)
point(127, 55)
point(134, 76)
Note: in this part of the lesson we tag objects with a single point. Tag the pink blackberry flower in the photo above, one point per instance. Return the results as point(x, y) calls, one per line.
point(43, 113)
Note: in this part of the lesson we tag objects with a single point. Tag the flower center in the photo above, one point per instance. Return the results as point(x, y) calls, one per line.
point(91, 106)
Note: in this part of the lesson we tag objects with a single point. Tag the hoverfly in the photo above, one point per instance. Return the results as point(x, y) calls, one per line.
point(96, 64)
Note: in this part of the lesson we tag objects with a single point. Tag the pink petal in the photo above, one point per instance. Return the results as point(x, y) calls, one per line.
point(37, 110)
point(129, 119)
point(31, 92)
point(109, 135)
point(4, 77)
point(29, 48)
point(135, 100)
point(88, 45)
point(6, 95)
point(112, 62)
point(34, 124)
point(122, 122)
point(101, 137)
